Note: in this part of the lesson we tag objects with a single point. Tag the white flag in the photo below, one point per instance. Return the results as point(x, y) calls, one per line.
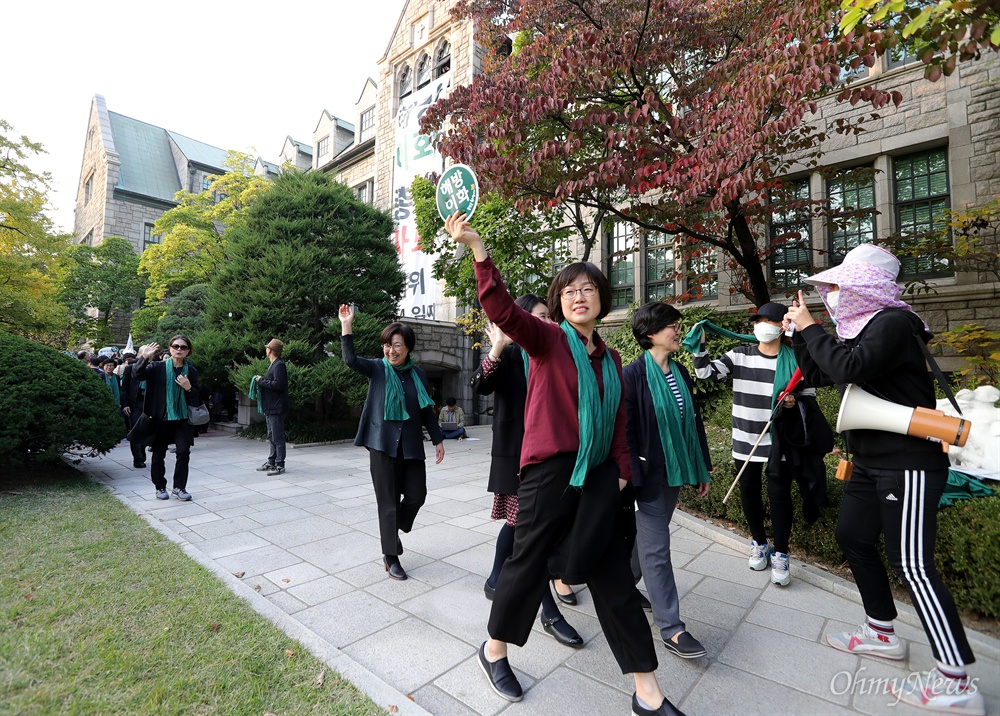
point(128, 346)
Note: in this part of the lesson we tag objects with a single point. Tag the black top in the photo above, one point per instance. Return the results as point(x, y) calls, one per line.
point(155, 374)
point(374, 431)
point(130, 389)
point(649, 466)
point(886, 361)
point(509, 389)
point(274, 388)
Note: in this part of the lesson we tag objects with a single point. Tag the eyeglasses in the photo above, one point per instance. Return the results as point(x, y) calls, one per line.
point(570, 293)
point(179, 347)
point(676, 325)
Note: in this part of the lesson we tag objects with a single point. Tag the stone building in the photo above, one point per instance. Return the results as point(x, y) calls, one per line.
point(130, 173)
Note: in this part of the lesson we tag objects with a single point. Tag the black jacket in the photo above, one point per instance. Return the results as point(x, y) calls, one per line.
point(643, 433)
point(374, 431)
point(131, 393)
point(510, 390)
point(274, 388)
point(154, 373)
point(886, 361)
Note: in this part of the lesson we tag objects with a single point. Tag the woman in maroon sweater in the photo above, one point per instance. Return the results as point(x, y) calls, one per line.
point(574, 450)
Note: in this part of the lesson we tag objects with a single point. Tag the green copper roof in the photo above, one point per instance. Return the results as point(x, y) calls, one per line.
point(200, 152)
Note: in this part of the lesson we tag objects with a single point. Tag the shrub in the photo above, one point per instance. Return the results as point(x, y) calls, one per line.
point(52, 403)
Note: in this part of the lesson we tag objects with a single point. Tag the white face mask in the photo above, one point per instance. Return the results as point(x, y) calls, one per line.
point(765, 332)
point(832, 301)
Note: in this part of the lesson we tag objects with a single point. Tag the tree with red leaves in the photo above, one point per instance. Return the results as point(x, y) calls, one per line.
point(674, 116)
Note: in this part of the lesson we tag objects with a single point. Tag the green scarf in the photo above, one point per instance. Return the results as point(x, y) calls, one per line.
point(395, 398)
point(786, 356)
point(596, 416)
point(113, 384)
point(255, 394)
point(524, 357)
point(678, 435)
point(176, 402)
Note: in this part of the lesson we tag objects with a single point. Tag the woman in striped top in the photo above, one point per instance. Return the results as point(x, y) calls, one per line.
point(759, 373)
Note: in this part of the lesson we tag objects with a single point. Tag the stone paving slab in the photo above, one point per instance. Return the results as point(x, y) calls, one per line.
point(307, 542)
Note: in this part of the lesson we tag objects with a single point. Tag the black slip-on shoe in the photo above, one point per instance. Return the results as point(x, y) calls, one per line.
point(489, 591)
point(501, 676)
point(686, 647)
point(564, 598)
point(665, 709)
point(562, 631)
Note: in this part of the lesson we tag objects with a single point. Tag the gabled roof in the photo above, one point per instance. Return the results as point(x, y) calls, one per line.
point(337, 121)
point(201, 153)
point(268, 166)
point(369, 81)
point(147, 164)
point(301, 146)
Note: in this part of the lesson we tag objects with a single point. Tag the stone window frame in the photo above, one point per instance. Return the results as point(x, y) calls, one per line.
point(840, 240)
point(404, 82)
point(365, 191)
point(367, 124)
point(88, 189)
point(148, 237)
point(620, 238)
point(423, 72)
point(921, 267)
point(442, 59)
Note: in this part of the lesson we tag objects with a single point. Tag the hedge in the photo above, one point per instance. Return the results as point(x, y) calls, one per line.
point(52, 403)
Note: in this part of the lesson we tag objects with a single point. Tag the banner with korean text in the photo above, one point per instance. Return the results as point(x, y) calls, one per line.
point(415, 156)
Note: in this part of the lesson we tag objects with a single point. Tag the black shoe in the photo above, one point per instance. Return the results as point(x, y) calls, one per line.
point(562, 631)
point(489, 591)
point(646, 606)
point(395, 569)
point(687, 647)
point(266, 467)
point(666, 709)
point(137, 463)
point(564, 598)
point(501, 676)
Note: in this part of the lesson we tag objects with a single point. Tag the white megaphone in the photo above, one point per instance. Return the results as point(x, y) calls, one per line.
point(860, 410)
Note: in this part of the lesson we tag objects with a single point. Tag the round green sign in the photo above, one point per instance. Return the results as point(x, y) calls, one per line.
point(457, 190)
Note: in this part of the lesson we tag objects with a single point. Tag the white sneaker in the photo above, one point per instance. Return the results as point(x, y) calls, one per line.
point(868, 642)
point(779, 569)
point(935, 692)
point(759, 555)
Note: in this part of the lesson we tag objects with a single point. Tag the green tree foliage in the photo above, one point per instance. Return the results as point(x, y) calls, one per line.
point(103, 277)
point(29, 244)
point(193, 244)
point(525, 248)
point(941, 34)
point(185, 313)
point(51, 404)
point(677, 118)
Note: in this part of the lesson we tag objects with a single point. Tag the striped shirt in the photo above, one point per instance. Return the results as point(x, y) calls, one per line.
point(672, 384)
point(753, 385)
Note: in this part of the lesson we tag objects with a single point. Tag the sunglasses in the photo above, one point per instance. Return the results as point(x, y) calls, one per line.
point(179, 347)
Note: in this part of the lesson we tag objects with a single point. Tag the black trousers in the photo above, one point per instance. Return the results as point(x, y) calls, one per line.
point(276, 438)
point(902, 505)
point(179, 433)
point(138, 447)
point(546, 510)
point(400, 490)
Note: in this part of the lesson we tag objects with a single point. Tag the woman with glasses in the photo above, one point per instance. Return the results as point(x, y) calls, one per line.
point(667, 443)
point(574, 463)
point(171, 385)
point(396, 406)
point(504, 375)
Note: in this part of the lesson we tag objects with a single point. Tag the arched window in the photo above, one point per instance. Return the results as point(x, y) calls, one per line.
point(442, 59)
point(405, 82)
point(423, 71)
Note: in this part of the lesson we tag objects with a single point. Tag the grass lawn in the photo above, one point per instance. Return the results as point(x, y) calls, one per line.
point(103, 615)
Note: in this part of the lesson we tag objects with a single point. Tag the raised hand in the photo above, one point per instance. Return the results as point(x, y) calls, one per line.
point(799, 314)
point(346, 315)
point(462, 232)
point(149, 350)
point(498, 339)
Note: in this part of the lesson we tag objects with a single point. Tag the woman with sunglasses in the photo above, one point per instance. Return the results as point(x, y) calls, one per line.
point(574, 463)
point(396, 407)
point(171, 385)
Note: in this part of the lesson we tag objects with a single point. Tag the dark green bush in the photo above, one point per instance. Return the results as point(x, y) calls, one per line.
point(306, 431)
point(968, 538)
point(52, 403)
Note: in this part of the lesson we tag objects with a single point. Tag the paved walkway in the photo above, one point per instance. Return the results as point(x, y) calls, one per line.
point(306, 545)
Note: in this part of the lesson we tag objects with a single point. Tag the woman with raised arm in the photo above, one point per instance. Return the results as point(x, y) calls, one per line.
point(574, 461)
point(395, 408)
point(504, 375)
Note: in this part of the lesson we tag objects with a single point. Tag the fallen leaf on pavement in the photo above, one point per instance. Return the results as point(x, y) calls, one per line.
point(238, 575)
point(321, 678)
point(256, 587)
point(286, 579)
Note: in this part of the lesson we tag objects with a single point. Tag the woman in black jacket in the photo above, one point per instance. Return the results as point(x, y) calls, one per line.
point(504, 374)
point(897, 479)
point(171, 385)
point(668, 449)
point(396, 406)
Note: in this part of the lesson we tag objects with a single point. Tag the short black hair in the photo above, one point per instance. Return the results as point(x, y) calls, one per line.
point(409, 338)
point(83, 355)
point(449, 402)
point(652, 318)
point(529, 300)
point(569, 274)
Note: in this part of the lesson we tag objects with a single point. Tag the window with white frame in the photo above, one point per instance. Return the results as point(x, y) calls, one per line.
point(921, 196)
point(442, 59)
point(148, 237)
point(791, 236)
point(621, 264)
point(852, 213)
point(365, 191)
point(323, 146)
point(703, 273)
point(660, 267)
point(367, 124)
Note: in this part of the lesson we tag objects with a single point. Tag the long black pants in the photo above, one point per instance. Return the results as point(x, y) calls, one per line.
point(903, 505)
point(179, 433)
point(546, 510)
point(400, 490)
point(779, 497)
point(276, 438)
